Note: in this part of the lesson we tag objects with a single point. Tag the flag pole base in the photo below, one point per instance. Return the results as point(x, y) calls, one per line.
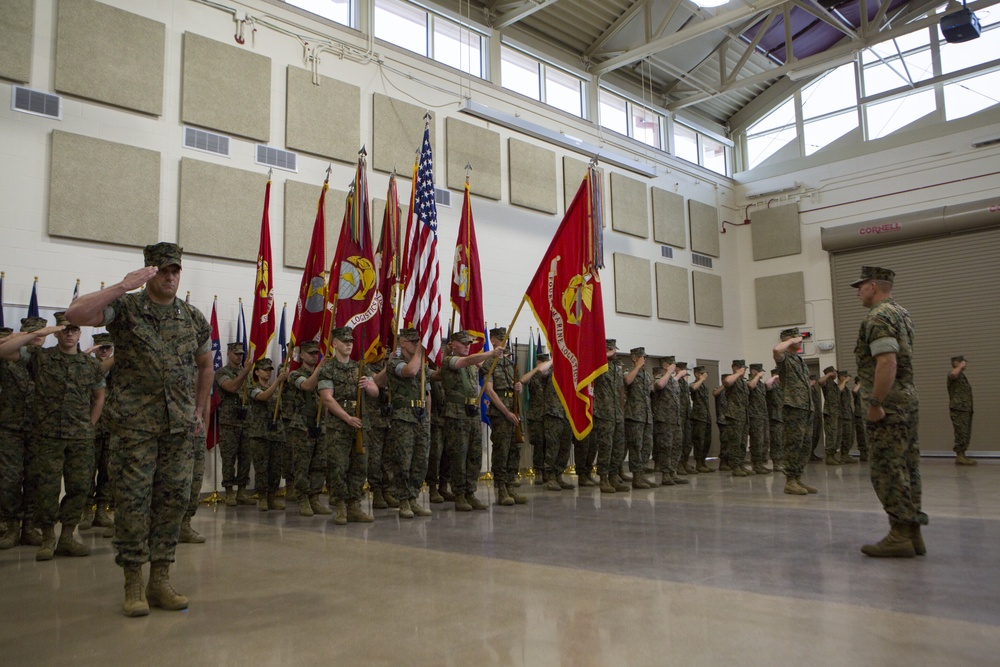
point(486, 477)
point(571, 470)
point(211, 499)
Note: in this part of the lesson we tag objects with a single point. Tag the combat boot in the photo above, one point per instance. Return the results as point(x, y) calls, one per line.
point(584, 479)
point(340, 514)
point(778, 467)
point(832, 460)
point(230, 497)
point(67, 546)
point(274, 502)
point(847, 459)
point(378, 502)
point(474, 502)
point(725, 467)
point(31, 535)
point(809, 489)
point(651, 480)
point(159, 592)
point(135, 594)
point(462, 505)
point(553, 485)
point(675, 479)
point(761, 469)
point(519, 498)
point(680, 469)
point(606, 486)
point(638, 482)
point(102, 518)
point(448, 496)
point(189, 535)
point(291, 494)
point(87, 518)
point(13, 535)
point(356, 515)
point(896, 544)
point(390, 499)
point(913, 531)
point(305, 508)
point(668, 480)
point(262, 503)
point(417, 509)
point(317, 507)
point(703, 467)
point(243, 498)
point(619, 483)
point(691, 469)
point(962, 460)
point(563, 484)
point(793, 488)
point(436, 496)
point(626, 477)
point(48, 547)
point(740, 471)
point(503, 498)
point(404, 509)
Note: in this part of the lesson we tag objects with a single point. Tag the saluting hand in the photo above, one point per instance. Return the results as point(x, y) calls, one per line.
point(138, 278)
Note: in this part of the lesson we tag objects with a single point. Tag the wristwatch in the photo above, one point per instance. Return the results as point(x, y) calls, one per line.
point(874, 402)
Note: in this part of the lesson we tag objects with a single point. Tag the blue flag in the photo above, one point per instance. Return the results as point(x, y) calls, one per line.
point(484, 402)
point(33, 303)
point(282, 340)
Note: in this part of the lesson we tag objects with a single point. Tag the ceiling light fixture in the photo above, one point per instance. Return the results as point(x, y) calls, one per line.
point(706, 4)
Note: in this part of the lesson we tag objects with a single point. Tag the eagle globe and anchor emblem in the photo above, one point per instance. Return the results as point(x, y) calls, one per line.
point(578, 297)
point(357, 278)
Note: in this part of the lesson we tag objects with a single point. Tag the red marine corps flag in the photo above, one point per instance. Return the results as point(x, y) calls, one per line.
point(353, 297)
point(388, 262)
point(565, 295)
point(262, 322)
point(312, 290)
point(466, 283)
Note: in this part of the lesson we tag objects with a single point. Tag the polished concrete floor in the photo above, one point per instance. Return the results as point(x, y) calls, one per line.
point(724, 571)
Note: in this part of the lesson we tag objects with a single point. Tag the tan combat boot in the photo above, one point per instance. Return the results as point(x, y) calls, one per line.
point(503, 498)
point(962, 460)
point(274, 502)
point(896, 544)
point(832, 460)
point(230, 497)
point(448, 496)
point(188, 534)
point(378, 502)
point(913, 531)
point(668, 480)
point(552, 485)
point(583, 478)
point(809, 489)
point(12, 534)
point(462, 505)
point(305, 508)
point(390, 499)
point(159, 592)
point(340, 516)
point(847, 459)
point(761, 469)
point(793, 488)
point(740, 471)
point(404, 509)
point(318, 507)
point(606, 486)
point(675, 479)
point(638, 482)
point(135, 595)
point(619, 483)
point(243, 498)
point(356, 515)
point(48, 547)
point(102, 518)
point(519, 498)
point(436, 496)
point(691, 469)
point(474, 502)
point(417, 509)
point(262, 503)
point(87, 519)
point(67, 546)
point(703, 467)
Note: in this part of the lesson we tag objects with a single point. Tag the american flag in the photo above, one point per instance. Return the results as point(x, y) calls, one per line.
point(422, 298)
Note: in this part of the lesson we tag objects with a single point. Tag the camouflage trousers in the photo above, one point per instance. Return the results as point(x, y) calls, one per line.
point(687, 440)
point(438, 463)
point(639, 436)
point(463, 436)
point(345, 467)
point(701, 440)
point(817, 429)
point(584, 453)
point(759, 441)
point(668, 440)
point(558, 437)
point(152, 486)
point(12, 446)
point(845, 438)
point(797, 439)
point(410, 442)
point(505, 459)
point(100, 486)
point(831, 433)
point(536, 436)
point(736, 442)
point(610, 436)
point(776, 436)
point(268, 462)
point(58, 462)
point(895, 466)
point(197, 472)
point(861, 435)
point(234, 446)
point(380, 457)
point(309, 454)
point(961, 422)
point(723, 452)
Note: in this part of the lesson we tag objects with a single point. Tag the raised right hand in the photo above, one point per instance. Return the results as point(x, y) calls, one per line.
point(138, 278)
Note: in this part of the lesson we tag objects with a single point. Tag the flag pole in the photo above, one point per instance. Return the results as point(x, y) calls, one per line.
point(214, 497)
point(502, 345)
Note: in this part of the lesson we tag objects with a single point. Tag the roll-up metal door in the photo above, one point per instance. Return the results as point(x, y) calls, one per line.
point(951, 286)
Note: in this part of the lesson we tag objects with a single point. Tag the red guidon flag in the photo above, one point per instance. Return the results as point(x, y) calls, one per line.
point(388, 262)
point(312, 290)
point(262, 322)
point(466, 283)
point(565, 295)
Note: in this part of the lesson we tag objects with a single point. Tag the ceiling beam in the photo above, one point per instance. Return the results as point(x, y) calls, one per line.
point(752, 46)
point(523, 10)
point(825, 17)
point(613, 29)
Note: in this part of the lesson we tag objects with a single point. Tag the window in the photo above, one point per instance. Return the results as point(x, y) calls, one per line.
point(540, 81)
point(519, 73)
point(835, 91)
point(401, 24)
point(335, 10)
point(685, 143)
point(646, 126)
point(823, 132)
point(964, 98)
point(458, 47)
point(955, 57)
point(427, 34)
point(713, 155)
point(564, 91)
point(614, 114)
point(626, 117)
point(771, 133)
point(885, 118)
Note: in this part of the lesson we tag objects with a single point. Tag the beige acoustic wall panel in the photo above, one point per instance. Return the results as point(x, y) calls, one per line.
point(633, 294)
point(301, 201)
point(707, 298)
point(775, 231)
point(226, 88)
point(476, 146)
point(628, 206)
point(532, 171)
point(781, 300)
point(378, 210)
point(704, 228)
point(17, 26)
point(668, 218)
point(672, 301)
point(322, 119)
point(573, 172)
point(103, 191)
point(220, 210)
point(110, 55)
point(398, 130)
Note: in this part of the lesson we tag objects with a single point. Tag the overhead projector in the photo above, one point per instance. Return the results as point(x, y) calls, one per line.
point(960, 26)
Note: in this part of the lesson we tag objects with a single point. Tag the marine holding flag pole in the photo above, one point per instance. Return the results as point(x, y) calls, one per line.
point(262, 322)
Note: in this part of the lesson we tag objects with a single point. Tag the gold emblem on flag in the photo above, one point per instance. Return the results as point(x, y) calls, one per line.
point(357, 278)
point(578, 295)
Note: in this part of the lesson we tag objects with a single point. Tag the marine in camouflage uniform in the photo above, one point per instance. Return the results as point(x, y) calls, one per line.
point(199, 442)
point(721, 404)
point(381, 458)
point(960, 408)
point(665, 402)
point(68, 398)
point(817, 417)
point(306, 430)
point(538, 384)
point(100, 487)
point(409, 429)
point(558, 438)
point(831, 414)
point(609, 422)
point(267, 434)
point(639, 418)
point(757, 420)
point(845, 438)
point(775, 420)
point(346, 466)
point(796, 410)
point(687, 433)
point(701, 419)
point(893, 413)
point(503, 389)
point(234, 417)
point(737, 419)
point(859, 420)
point(161, 383)
point(438, 463)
